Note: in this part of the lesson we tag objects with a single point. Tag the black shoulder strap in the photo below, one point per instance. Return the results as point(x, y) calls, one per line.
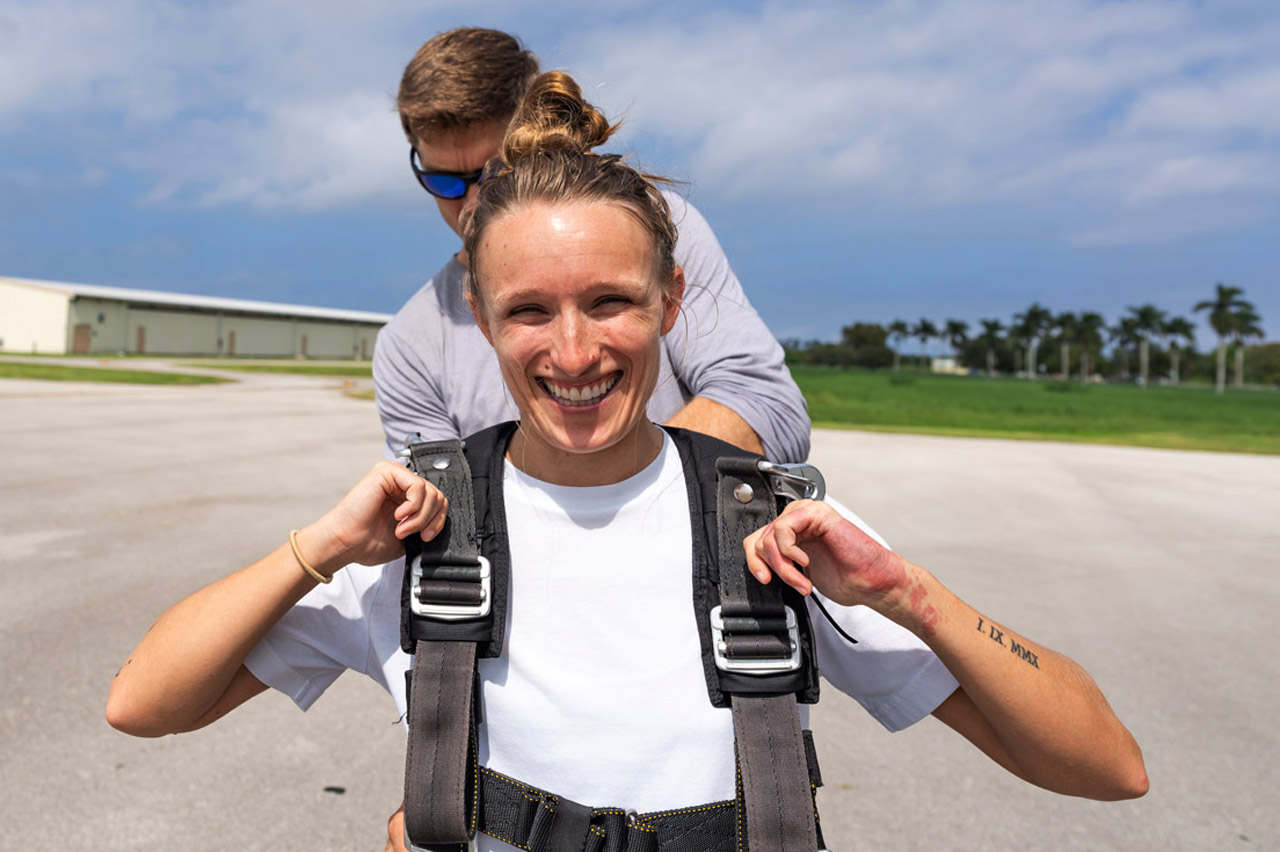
point(755, 614)
point(760, 655)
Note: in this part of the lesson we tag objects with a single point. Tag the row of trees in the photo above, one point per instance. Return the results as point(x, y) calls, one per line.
point(1085, 344)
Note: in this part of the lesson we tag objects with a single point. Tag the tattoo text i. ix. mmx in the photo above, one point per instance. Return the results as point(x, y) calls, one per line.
point(997, 636)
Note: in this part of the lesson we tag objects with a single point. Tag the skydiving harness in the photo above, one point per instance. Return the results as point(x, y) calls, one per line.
point(757, 653)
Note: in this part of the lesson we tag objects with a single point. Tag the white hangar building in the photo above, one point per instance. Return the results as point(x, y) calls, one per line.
point(50, 317)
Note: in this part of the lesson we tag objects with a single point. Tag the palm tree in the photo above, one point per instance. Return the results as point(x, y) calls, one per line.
point(1068, 327)
point(990, 339)
point(1089, 328)
point(1032, 324)
point(1178, 329)
point(1222, 308)
point(957, 334)
point(924, 330)
point(1148, 321)
point(1244, 327)
point(1124, 334)
point(899, 331)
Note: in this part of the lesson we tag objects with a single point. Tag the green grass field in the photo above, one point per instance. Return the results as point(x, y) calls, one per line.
point(357, 369)
point(60, 372)
point(1166, 417)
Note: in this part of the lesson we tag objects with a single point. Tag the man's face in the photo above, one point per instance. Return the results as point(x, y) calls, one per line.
point(464, 150)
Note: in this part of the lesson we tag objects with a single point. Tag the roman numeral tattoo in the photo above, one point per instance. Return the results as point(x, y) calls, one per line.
point(996, 634)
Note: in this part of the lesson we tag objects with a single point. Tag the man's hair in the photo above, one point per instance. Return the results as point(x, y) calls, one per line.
point(464, 78)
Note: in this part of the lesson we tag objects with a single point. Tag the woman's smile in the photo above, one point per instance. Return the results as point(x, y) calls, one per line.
point(580, 395)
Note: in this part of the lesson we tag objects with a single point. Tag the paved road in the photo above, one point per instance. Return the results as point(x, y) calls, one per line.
point(1157, 570)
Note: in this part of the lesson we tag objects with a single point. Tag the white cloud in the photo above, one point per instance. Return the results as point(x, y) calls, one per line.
point(960, 102)
point(1129, 108)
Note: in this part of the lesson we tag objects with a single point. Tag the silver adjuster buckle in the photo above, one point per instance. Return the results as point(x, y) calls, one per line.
point(794, 481)
point(452, 611)
point(754, 665)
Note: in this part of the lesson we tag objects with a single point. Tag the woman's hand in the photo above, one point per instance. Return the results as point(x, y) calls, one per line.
point(368, 525)
point(811, 545)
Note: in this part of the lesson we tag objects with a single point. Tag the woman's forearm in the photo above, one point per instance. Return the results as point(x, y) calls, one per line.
point(1049, 721)
point(189, 657)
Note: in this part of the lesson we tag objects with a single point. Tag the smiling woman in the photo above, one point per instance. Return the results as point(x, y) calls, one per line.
point(614, 715)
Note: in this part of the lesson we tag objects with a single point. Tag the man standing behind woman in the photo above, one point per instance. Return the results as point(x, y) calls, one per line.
point(722, 371)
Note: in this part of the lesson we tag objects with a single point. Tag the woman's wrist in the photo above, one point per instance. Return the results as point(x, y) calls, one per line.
point(319, 550)
point(912, 603)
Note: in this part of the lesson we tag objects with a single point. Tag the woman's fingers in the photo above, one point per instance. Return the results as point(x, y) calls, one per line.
point(774, 550)
point(423, 509)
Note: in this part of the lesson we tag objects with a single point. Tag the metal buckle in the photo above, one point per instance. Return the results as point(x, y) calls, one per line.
point(794, 481)
point(754, 665)
point(451, 611)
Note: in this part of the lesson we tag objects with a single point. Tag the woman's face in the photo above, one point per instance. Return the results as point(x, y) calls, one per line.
point(568, 299)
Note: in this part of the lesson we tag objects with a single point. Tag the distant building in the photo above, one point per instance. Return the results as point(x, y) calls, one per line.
point(947, 366)
point(48, 317)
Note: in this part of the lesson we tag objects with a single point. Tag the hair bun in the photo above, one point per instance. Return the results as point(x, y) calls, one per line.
point(554, 117)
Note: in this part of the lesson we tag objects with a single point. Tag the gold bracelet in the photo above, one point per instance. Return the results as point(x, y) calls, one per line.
point(306, 566)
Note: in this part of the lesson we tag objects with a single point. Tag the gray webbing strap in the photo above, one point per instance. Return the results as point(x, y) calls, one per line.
point(438, 757)
point(776, 787)
point(776, 791)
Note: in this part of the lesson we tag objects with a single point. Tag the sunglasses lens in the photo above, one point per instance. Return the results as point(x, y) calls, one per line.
point(444, 186)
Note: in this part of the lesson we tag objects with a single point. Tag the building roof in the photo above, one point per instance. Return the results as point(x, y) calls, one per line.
point(212, 303)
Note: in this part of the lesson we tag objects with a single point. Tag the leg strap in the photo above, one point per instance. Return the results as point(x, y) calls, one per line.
point(776, 784)
point(439, 760)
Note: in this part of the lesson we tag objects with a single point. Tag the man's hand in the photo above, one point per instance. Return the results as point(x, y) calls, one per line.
point(395, 832)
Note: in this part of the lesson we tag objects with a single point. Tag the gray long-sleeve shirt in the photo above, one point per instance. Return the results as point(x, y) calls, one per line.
point(437, 376)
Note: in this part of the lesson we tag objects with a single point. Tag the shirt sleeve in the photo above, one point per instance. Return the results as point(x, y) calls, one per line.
point(321, 636)
point(408, 392)
point(891, 672)
point(721, 349)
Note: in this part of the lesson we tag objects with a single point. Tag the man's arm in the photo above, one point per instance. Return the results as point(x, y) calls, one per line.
point(724, 354)
point(720, 421)
point(407, 394)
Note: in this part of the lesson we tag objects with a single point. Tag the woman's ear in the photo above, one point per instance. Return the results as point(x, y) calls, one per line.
point(672, 298)
point(477, 311)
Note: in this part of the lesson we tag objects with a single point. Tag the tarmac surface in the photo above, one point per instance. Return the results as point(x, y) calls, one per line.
point(1158, 571)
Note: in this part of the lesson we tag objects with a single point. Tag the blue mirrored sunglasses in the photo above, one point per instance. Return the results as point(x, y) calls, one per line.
point(446, 185)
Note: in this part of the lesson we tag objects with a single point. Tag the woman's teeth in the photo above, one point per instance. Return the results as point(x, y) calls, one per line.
point(580, 395)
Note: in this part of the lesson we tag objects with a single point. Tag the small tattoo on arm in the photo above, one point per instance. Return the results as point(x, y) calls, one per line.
point(996, 635)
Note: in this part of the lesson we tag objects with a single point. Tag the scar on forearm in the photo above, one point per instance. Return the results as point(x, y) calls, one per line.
point(126, 662)
point(996, 634)
point(925, 612)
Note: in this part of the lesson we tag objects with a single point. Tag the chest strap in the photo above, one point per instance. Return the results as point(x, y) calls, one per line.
point(531, 818)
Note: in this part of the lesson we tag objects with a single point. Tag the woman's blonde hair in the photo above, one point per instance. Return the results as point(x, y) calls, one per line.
point(547, 158)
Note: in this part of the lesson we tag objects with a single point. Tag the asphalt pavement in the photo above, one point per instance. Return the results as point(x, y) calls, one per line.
point(1158, 571)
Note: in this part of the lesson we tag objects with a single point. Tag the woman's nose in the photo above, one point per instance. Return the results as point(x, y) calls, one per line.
point(576, 350)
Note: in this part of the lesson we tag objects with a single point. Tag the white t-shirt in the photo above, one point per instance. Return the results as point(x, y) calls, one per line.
point(599, 694)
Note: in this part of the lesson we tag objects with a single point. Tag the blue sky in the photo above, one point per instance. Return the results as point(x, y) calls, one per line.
point(860, 161)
